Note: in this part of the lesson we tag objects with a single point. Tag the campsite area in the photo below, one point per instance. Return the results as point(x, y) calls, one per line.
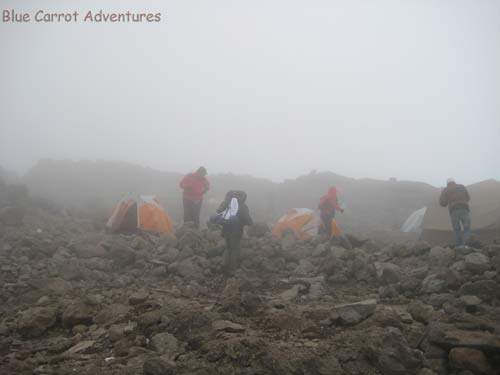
point(78, 299)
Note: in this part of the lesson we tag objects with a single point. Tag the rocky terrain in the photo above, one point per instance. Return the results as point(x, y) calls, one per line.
point(77, 300)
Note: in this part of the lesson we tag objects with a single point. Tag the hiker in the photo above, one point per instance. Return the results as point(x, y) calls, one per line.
point(457, 198)
point(233, 215)
point(194, 185)
point(328, 205)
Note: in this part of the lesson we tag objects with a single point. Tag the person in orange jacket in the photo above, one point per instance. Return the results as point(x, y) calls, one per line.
point(328, 205)
point(194, 186)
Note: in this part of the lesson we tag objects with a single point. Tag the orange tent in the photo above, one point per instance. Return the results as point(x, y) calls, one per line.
point(143, 212)
point(303, 223)
point(300, 221)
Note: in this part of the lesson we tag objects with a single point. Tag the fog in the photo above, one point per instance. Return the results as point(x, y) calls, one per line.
point(269, 88)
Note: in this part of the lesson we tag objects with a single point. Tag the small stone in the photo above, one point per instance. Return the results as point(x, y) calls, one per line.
point(81, 347)
point(227, 326)
point(353, 313)
point(138, 297)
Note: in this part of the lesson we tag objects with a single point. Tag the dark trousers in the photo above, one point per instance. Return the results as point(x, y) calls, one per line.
point(232, 255)
point(192, 212)
point(326, 219)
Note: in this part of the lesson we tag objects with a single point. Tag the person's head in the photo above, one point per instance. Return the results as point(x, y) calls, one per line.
point(202, 172)
point(450, 181)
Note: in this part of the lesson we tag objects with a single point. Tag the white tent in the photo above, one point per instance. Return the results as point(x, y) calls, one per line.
point(414, 222)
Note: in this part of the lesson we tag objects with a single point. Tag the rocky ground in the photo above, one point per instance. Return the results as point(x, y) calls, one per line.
point(77, 300)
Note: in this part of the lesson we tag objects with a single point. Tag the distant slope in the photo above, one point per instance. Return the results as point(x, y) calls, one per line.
point(370, 204)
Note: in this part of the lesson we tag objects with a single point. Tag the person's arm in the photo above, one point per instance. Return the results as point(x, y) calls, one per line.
point(245, 217)
point(443, 198)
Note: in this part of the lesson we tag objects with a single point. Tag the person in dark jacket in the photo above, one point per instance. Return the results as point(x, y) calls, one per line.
point(237, 215)
point(328, 205)
point(456, 198)
point(194, 186)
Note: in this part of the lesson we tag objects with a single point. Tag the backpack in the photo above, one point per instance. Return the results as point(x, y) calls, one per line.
point(230, 211)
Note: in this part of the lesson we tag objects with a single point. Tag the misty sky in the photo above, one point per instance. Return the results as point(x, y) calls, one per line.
point(272, 88)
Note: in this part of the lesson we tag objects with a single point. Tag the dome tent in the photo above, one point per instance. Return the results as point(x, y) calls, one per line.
point(142, 212)
point(414, 222)
point(302, 222)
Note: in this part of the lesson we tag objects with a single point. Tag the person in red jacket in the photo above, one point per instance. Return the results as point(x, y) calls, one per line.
point(328, 205)
point(194, 185)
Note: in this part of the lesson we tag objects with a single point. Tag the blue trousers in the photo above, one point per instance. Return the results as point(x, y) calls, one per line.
point(460, 221)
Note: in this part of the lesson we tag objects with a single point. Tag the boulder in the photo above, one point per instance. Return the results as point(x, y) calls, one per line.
point(118, 331)
point(470, 359)
point(35, 321)
point(451, 338)
point(420, 312)
point(484, 289)
point(391, 354)
point(187, 269)
point(441, 255)
point(387, 273)
point(138, 297)
point(477, 262)
point(320, 250)
point(292, 293)
point(258, 229)
point(434, 283)
point(166, 344)
point(158, 366)
point(77, 313)
point(305, 267)
point(419, 248)
point(353, 313)
point(122, 254)
point(81, 348)
point(170, 255)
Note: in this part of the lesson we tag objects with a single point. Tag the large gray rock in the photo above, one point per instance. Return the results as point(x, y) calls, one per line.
point(470, 359)
point(441, 255)
point(122, 254)
point(166, 344)
point(305, 267)
point(388, 273)
point(292, 293)
point(158, 366)
point(353, 313)
point(35, 321)
point(77, 313)
point(484, 289)
point(450, 337)
point(434, 284)
point(187, 269)
point(389, 351)
point(258, 229)
point(420, 312)
point(477, 263)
